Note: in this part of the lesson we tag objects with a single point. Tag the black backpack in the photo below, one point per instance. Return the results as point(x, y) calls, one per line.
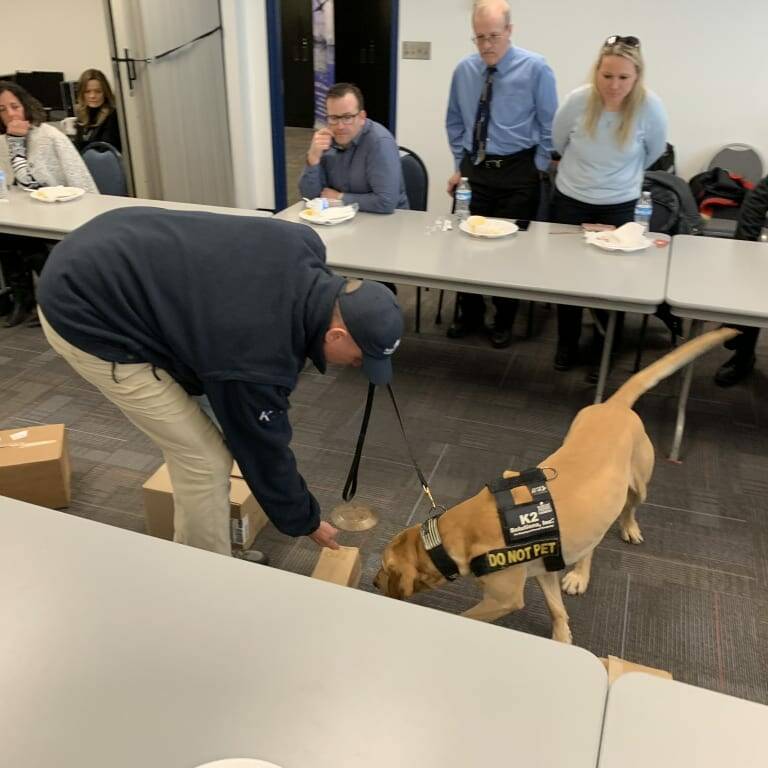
point(666, 162)
point(674, 209)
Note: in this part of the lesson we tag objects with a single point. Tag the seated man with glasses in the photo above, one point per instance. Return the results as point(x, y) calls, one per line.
point(499, 126)
point(354, 159)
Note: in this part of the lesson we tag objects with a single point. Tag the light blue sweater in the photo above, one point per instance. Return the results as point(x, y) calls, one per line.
point(597, 169)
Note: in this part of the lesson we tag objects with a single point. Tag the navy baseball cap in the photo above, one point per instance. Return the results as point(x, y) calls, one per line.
point(373, 317)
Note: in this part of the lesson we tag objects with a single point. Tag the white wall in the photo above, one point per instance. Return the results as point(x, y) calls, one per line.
point(54, 35)
point(705, 59)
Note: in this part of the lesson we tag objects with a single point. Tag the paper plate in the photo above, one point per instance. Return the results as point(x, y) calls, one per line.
point(57, 194)
point(239, 762)
point(492, 228)
point(624, 248)
point(329, 217)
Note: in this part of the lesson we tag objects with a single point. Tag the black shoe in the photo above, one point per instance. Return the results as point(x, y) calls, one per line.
point(34, 320)
point(734, 370)
point(460, 328)
point(19, 314)
point(565, 358)
point(500, 337)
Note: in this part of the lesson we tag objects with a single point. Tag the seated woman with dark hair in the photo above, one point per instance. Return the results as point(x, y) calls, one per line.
point(95, 111)
point(33, 154)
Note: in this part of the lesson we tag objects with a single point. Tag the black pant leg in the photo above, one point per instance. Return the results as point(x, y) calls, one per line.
point(471, 305)
point(746, 344)
point(568, 326)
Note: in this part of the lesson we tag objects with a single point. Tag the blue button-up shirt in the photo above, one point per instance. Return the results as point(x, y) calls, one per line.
point(523, 105)
point(367, 171)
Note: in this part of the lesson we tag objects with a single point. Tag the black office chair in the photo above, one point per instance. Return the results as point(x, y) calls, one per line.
point(416, 181)
point(741, 159)
point(105, 164)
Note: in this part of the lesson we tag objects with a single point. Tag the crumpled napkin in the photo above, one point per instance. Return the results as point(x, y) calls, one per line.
point(628, 236)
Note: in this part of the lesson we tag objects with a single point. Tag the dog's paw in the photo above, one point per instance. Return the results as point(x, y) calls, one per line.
point(632, 534)
point(561, 632)
point(574, 583)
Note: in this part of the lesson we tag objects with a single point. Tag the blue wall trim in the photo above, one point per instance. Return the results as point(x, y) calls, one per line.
point(393, 60)
point(275, 54)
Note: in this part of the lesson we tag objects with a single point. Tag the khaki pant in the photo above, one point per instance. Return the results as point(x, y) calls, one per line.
point(198, 461)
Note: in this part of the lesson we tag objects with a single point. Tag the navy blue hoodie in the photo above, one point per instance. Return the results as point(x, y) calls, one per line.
point(230, 306)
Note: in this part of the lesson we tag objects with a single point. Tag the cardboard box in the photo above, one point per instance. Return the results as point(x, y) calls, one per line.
point(339, 566)
point(34, 465)
point(617, 667)
point(247, 517)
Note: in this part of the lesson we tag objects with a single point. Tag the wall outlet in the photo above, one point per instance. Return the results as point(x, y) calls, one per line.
point(416, 50)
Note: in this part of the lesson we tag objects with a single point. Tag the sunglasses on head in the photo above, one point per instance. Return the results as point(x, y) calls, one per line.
point(630, 41)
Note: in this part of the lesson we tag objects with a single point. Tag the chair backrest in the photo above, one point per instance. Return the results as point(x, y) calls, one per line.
point(416, 179)
point(741, 159)
point(106, 166)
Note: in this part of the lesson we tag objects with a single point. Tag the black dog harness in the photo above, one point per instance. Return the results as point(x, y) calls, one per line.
point(530, 529)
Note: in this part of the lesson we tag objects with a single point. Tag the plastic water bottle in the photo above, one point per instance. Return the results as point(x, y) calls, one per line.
point(3, 188)
point(643, 211)
point(463, 200)
point(322, 203)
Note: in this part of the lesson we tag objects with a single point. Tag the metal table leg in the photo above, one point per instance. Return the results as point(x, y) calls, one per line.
point(418, 309)
point(606, 356)
point(685, 388)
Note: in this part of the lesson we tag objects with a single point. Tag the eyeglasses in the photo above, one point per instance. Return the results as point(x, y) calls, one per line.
point(493, 38)
point(346, 119)
point(630, 41)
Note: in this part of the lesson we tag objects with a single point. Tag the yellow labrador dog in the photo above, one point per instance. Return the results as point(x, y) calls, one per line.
point(603, 469)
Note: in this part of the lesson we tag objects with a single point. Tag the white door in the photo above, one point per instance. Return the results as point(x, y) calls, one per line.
point(175, 106)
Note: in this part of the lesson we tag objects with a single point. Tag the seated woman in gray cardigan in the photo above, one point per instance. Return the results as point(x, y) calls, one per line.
point(33, 154)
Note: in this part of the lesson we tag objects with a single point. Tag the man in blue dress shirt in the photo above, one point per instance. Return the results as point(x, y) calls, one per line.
point(499, 125)
point(354, 159)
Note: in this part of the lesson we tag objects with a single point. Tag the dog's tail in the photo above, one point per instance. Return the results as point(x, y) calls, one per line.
point(649, 377)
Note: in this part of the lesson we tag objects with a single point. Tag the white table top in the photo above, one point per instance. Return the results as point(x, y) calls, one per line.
point(536, 265)
point(122, 650)
point(24, 216)
point(656, 723)
point(712, 278)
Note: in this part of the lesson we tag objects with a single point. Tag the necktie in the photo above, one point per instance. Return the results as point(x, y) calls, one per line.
point(480, 131)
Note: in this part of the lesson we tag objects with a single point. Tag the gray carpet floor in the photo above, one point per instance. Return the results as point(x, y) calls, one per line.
point(693, 599)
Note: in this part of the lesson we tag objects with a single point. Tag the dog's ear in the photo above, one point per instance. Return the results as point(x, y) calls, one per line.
point(399, 585)
point(401, 565)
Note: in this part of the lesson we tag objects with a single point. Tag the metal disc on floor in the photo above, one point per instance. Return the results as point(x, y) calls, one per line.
point(354, 516)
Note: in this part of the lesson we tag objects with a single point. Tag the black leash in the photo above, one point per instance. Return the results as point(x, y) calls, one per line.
point(436, 509)
point(350, 487)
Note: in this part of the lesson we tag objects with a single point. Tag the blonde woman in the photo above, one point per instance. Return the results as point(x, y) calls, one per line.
point(95, 111)
point(607, 132)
